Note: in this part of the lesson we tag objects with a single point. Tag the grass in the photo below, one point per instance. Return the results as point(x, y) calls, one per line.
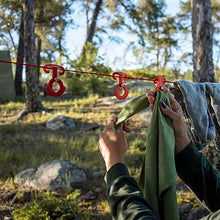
point(10, 108)
point(28, 150)
point(28, 143)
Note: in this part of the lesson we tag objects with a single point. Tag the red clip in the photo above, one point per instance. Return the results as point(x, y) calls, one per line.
point(122, 78)
point(49, 87)
point(159, 82)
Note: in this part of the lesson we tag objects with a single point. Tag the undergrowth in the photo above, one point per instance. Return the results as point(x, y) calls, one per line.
point(51, 207)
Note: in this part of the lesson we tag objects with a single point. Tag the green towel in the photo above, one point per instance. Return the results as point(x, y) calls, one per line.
point(133, 107)
point(158, 176)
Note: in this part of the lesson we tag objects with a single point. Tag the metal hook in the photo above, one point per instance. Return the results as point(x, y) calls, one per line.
point(122, 78)
point(55, 70)
point(159, 82)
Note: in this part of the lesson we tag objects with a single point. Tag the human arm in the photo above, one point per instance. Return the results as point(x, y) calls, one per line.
point(192, 166)
point(125, 198)
point(197, 172)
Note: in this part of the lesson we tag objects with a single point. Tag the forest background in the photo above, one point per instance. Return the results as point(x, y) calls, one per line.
point(144, 38)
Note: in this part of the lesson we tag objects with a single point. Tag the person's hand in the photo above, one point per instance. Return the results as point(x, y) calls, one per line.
point(113, 143)
point(176, 114)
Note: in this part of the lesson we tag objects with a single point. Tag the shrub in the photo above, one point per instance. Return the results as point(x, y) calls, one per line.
point(50, 208)
point(89, 61)
point(76, 85)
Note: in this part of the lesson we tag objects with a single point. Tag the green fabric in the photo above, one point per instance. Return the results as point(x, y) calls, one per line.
point(133, 107)
point(158, 174)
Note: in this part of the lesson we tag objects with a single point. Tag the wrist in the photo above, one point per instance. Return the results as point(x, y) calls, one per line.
point(112, 161)
point(181, 143)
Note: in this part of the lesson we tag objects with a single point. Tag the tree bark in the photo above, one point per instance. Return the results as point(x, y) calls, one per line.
point(20, 59)
point(203, 71)
point(32, 92)
point(39, 46)
point(91, 28)
point(202, 33)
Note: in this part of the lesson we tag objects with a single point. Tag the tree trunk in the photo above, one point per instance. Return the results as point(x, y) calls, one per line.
point(202, 33)
point(39, 41)
point(39, 46)
point(32, 92)
point(91, 28)
point(20, 59)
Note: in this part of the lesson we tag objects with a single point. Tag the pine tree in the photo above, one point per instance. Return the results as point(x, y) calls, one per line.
point(32, 100)
point(202, 32)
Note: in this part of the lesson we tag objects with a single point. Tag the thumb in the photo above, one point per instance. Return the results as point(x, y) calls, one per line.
point(167, 111)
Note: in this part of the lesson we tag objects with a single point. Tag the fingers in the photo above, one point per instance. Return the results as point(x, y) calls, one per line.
point(167, 111)
point(151, 100)
point(174, 104)
point(110, 126)
point(171, 96)
point(110, 123)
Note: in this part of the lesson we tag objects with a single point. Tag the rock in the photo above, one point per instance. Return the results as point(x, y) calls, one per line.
point(88, 196)
point(112, 101)
point(26, 178)
point(61, 122)
point(98, 190)
point(97, 174)
point(107, 101)
point(57, 175)
point(89, 127)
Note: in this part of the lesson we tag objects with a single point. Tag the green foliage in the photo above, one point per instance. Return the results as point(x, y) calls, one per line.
point(50, 208)
point(76, 85)
point(188, 76)
point(144, 73)
point(138, 144)
point(10, 107)
point(51, 19)
point(155, 30)
point(217, 74)
point(89, 61)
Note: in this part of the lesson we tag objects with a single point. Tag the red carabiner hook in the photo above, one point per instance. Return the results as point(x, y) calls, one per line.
point(122, 78)
point(159, 82)
point(49, 87)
